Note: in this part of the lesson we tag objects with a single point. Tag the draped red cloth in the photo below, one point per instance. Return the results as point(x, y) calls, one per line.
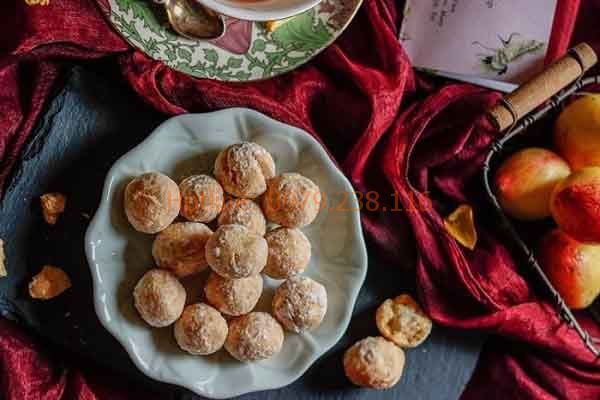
point(402, 134)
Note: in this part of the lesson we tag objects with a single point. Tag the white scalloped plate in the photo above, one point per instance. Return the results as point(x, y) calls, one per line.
point(118, 256)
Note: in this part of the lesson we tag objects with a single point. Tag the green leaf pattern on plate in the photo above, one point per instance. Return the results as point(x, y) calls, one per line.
point(144, 25)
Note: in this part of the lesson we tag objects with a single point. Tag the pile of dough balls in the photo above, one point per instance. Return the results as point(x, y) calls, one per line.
point(220, 223)
point(378, 362)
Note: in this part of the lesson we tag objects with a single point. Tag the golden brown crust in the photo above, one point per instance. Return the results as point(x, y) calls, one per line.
point(201, 198)
point(402, 321)
point(200, 330)
point(180, 248)
point(243, 169)
point(159, 297)
point(234, 252)
point(374, 362)
point(152, 202)
point(255, 336)
point(289, 253)
point(49, 283)
point(291, 200)
point(233, 297)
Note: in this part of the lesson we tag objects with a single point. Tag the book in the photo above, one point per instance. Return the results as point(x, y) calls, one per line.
point(493, 43)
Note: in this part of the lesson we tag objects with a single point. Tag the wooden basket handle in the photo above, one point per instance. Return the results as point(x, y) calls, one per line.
point(542, 87)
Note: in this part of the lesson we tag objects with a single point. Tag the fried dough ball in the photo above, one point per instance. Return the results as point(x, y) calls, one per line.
point(201, 330)
point(374, 362)
point(289, 253)
point(201, 198)
point(152, 202)
point(255, 336)
point(234, 252)
point(291, 200)
point(181, 248)
point(243, 169)
point(233, 297)
point(246, 213)
point(300, 304)
point(402, 321)
point(159, 297)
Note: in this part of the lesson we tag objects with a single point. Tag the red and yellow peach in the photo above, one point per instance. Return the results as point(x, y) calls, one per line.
point(577, 132)
point(524, 182)
point(573, 268)
point(575, 204)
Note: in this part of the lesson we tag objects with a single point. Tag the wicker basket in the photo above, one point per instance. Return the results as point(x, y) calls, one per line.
point(526, 115)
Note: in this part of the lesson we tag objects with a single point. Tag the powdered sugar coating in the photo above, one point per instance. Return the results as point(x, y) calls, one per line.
point(374, 362)
point(201, 198)
point(159, 297)
point(233, 297)
point(200, 330)
point(244, 212)
point(181, 248)
point(234, 252)
point(152, 202)
point(255, 336)
point(291, 200)
point(243, 169)
point(289, 253)
point(300, 304)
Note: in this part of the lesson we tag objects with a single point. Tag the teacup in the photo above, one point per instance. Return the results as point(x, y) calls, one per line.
point(259, 10)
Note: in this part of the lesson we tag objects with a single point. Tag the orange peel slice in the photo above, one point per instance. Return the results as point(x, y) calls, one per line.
point(460, 224)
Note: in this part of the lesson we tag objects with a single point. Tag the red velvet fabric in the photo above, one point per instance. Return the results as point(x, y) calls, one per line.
point(400, 136)
point(31, 372)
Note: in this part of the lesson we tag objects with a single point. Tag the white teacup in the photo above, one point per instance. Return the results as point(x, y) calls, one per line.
point(259, 10)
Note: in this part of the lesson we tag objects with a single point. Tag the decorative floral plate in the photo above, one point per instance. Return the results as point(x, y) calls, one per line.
point(118, 256)
point(245, 52)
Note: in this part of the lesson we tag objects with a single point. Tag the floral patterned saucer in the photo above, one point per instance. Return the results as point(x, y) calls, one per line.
point(246, 52)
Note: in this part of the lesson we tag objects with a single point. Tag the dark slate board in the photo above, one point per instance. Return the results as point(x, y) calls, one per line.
point(88, 125)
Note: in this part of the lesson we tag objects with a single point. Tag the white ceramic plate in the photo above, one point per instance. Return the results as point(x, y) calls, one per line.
point(118, 256)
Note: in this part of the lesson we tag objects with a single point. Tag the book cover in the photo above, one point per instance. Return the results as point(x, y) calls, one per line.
point(479, 40)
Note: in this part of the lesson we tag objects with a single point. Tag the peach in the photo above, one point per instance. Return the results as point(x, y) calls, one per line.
point(577, 132)
point(524, 182)
point(575, 204)
point(573, 268)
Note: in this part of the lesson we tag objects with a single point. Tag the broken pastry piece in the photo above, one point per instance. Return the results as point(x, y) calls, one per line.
point(402, 321)
point(53, 205)
point(3, 271)
point(49, 283)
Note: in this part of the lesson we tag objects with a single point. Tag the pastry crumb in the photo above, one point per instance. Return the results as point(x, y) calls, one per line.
point(53, 205)
point(49, 283)
point(3, 271)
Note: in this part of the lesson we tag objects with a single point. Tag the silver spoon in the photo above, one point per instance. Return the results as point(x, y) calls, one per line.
point(193, 21)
